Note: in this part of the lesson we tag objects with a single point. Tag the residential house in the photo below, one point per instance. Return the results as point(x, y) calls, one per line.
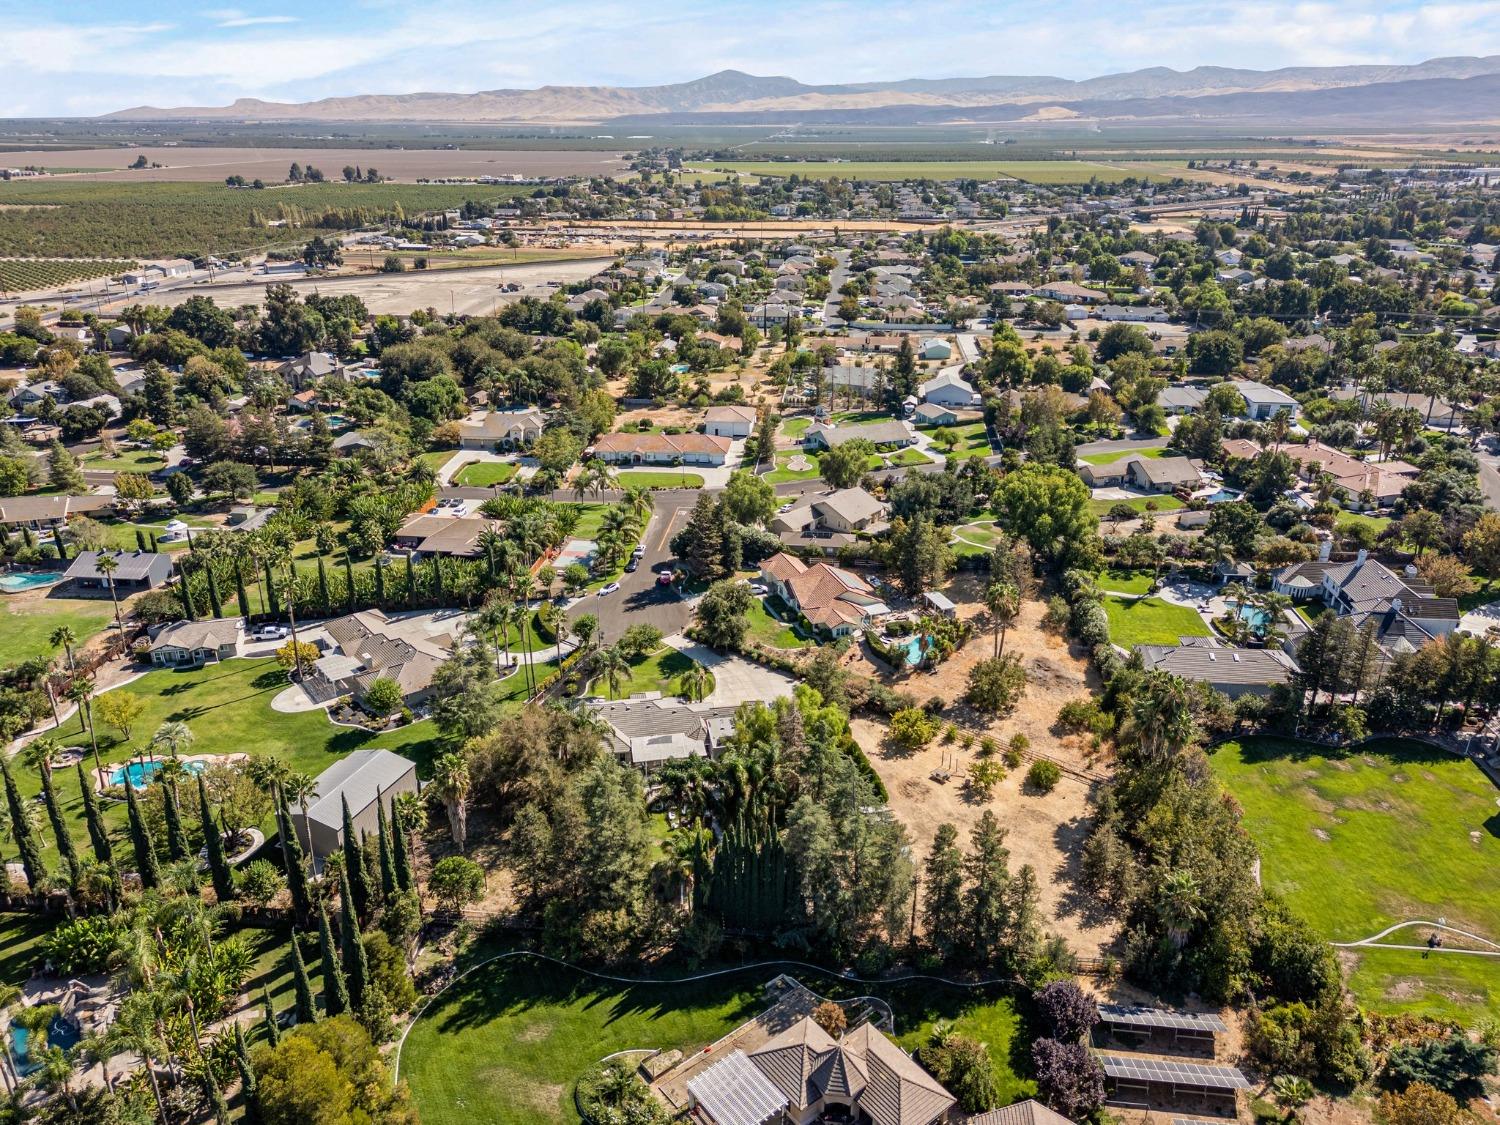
point(846, 510)
point(730, 421)
point(1069, 293)
point(1436, 413)
point(1233, 671)
point(1109, 475)
point(647, 730)
point(848, 378)
point(249, 517)
point(365, 781)
point(662, 449)
point(1263, 402)
point(1137, 314)
point(354, 439)
point(192, 644)
point(29, 394)
point(42, 513)
point(498, 430)
point(134, 572)
point(803, 1075)
point(831, 598)
point(308, 368)
point(1181, 399)
point(1161, 474)
point(931, 414)
point(935, 349)
point(894, 433)
point(949, 388)
point(1404, 610)
point(370, 645)
point(429, 536)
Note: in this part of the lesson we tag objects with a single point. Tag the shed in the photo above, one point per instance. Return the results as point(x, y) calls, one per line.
point(361, 779)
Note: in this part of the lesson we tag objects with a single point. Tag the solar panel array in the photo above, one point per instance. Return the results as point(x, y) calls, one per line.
point(1195, 1121)
point(734, 1092)
point(1175, 1073)
point(1137, 1016)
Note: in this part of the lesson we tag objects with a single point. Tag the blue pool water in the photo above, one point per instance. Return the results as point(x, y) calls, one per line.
point(1257, 619)
point(28, 580)
point(61, 1033)
point(1222, 495)
point(913, 648)
point(141, 773)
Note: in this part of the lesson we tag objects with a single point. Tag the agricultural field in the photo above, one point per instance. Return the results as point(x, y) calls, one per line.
point(98, 219)
point(1032, 171)
point(1392, 831)
point(20, 275)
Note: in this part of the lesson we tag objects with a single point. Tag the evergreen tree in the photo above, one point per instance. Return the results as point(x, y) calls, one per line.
point(411, 581)
point(273, 600)
point(379, 582)
point(943, 887)
point(291, 857)
point(335, 990)
point(400, 860)
point(213, 842)
point(387, 860)
point(988, 868)
point(104, 851)
point(349, 589)
point(213, 593)
point(140, 840)
point(273, 1029)
point(240, 594)
point(177, 847)
point(59, 826)
point(307, 1011)
point(356, 968)
point(215, 1097)
point(185, 593)
point(249, 1088)
point(354, 866)
point(20, 831)
point(323, 598)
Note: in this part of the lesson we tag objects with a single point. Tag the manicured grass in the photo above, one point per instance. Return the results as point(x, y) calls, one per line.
point(1447, 986)
point(26, 623)
point(1347, 519)
point(505, 1044)
point(1485, 591)
point(664, 478)
point(983, 533)
point(767, 629)
point(794, 427)
point(437, 458)
point(19, 934)
point(781, 474)
point(1151, 621)
point(121, 534)
point(1032, 171)
point(1124, 581)
point(908, 456)
point(227, 706)
point(974, 442)
point(1310, 611)
point(590, 520)
point(859, 417)
point(483, 474)
point(659, 671)
point(127, 461)
point(1394, 830)
point(1120, 455)
point(1163, 503)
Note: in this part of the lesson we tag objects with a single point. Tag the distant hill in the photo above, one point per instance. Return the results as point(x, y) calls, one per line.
point(1438, 89)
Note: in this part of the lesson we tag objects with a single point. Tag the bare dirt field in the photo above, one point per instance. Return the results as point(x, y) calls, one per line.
point(1044, 830)
point(206, 165)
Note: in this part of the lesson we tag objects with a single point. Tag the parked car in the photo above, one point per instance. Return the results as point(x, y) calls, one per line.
point(758, 589)
point(639, 552)
point(608, 589)
point(271, 632)
point(632, 565)
point(664, 578)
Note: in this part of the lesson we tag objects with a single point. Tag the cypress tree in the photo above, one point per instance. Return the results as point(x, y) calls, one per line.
point(379, 583)
point(140, 541)
point(354, 866)
point(411, 581)
point(307, 1011)
point(155, 547)
point(62, 550)
point(249, 1088)
point(400, 860)
point(273, 1030)
point(104, 851)
point(215, 1096)
point(20, 830)
point(177, 847)
point(291, 855)
point(348, 583)
point(213, 842)
point(437, 580)
point(185, 592)
point(387, 861)
point(273, 601)
point(335, 991)
point(140, 839)
point(213, 593)
point(323, 598)
point(239, 592)
point(59, 826)
point(356, 968)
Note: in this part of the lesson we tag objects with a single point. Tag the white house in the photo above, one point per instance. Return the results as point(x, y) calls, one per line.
point(949, 388)
point(501, 429)
point(194, 643)
point(1263, 402)
point(729, 421)
point(662, 449)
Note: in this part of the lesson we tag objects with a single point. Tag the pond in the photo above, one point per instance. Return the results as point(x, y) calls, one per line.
point(20, 580)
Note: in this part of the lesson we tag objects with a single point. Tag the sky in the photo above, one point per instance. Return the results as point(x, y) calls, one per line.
point(94, 56)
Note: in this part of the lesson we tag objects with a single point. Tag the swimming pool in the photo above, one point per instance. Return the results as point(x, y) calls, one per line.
point(913, 647)
point(141, 773)
point(19, 580)
point(60, 1033)
point(1223, 495)
point(1257, 619)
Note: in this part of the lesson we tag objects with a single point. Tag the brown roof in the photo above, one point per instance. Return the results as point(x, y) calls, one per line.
point(1029, 1112)
point(28, 509)
point(662, 443)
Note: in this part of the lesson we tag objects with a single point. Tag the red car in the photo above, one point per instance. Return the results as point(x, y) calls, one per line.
point(664, 578)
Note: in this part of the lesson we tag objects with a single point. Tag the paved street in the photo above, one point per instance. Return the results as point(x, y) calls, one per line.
point(1489, 472)
point(639, 600)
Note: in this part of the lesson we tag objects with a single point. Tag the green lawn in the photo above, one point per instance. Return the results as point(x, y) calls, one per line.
point(483, 474)
point(661, 478)
point(505, 1044)
point(767, 629)
point(794, 427)
point(437, 458)
point(908, 456)
point(26, 623)
point(1447, 986)
point(859, 417)
point(1163, 503)
point(120, 534)
point(1151, 621)
point(659, 671)
point(974, 441)
point(983, 533)
point(19, 934)
point(1377, 523)
point(781, 474)
point(590, 519)
point(1120, 454)
point(227, 706)
point(1124, 581)
point(126, 461)
point(1395, 830)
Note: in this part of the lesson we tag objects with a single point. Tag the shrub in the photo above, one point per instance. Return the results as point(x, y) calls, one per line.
point(1068, 1078)
point(1043, 775)
point(80, 946)
point(1453, 1065)
point(912, 729)
point(964, 1066)
point(1068, 1010)
point(258, 882)
point(997, 684)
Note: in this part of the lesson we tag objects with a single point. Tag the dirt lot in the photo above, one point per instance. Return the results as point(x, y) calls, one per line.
point(208, 165)
point(1045, 831)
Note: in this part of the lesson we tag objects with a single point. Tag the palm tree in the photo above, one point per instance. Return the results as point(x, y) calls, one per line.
point(107, 565)
point(298, 789)
point(137, 1028)
point(524, 590)
point(1162, 715)
point(694, 682)
point(174, 736)
point(451, 778)
point(1003, 601)
point(640, 502)
point(613, 666)
point(1179, 905)
point(269, 773)
point(64, 638)
point(81, 692)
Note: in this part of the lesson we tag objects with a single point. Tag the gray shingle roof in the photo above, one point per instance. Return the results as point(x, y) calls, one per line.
point(359, 779)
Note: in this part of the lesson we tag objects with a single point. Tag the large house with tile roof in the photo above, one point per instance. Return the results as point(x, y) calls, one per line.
point(370, 646)
point(1404, 610)
point(662, 449)
point(804, 1075)
point(830, 597)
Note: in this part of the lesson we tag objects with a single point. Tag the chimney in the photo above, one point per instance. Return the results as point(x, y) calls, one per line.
point(1396, 604)
point(1325, 549)
point(1362, 556)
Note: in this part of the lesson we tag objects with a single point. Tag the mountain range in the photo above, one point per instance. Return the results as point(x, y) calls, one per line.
point(1458, 89)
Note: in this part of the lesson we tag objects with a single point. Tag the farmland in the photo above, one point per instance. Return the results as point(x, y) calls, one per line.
point(1032, 171)
point(20, 275)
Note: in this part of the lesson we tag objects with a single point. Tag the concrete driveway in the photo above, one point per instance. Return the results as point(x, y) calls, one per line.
point(736, 680)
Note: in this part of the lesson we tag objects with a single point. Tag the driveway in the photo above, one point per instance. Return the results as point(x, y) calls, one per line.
point(1489, 474)
point(736, 680)
point(639, 600)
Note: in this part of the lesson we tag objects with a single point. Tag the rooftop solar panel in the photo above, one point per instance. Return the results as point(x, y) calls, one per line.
point(1174, 1073)
point(1137, 1016)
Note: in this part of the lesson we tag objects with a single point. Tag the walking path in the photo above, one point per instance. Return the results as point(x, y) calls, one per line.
point(1374, 940)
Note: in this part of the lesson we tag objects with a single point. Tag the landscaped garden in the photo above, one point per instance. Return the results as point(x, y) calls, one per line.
point(658, 478)
point(768, 630)
point(1138, 504)
point(1393, 831)
point(1114, 455)
point(973, 441)
point(661, 671)
point(1116, 581)
point(485, 474)
point(127, 461)
point(1151, 621)
point(505, 1044)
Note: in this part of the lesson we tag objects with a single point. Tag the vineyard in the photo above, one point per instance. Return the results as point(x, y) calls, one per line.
point(21, 275)
point(169, 220)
